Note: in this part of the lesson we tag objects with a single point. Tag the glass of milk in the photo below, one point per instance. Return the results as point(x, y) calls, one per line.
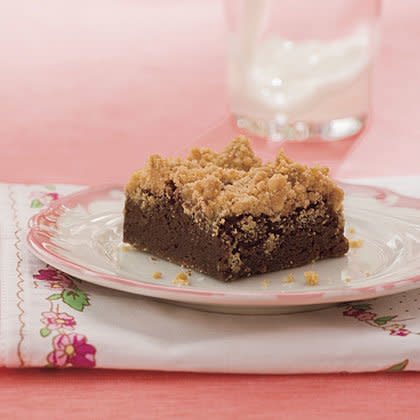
point(300, 69)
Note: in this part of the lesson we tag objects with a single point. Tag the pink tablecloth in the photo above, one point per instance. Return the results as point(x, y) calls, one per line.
point(88, 90)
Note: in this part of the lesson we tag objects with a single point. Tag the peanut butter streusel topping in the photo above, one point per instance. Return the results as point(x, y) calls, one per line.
point(235, 182)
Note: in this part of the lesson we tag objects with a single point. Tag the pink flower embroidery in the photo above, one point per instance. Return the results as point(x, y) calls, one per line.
point(41, 199)
point(72, 350)
point(55, 321)
point(366, 316)
point(402, 332)
point(52, 196)
point(53, 279)
point(352, 312)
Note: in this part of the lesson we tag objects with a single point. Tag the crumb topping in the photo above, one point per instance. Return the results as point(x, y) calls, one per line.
point(311, 277)
point(356, 243)
point(235, 182)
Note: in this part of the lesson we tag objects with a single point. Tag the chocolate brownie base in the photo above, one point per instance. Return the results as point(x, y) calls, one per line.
point(241, 246)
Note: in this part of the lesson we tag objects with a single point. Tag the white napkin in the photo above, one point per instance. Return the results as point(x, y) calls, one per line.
point(49, 319)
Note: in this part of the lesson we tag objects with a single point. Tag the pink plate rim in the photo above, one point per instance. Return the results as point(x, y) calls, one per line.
point(37, 241)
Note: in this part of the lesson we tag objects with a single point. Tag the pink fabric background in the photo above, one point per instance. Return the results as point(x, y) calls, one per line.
point(88, 89)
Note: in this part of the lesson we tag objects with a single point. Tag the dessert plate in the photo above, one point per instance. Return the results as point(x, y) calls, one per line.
point(81, 235)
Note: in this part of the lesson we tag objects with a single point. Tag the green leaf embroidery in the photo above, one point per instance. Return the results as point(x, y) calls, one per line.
point(361, 306)
point(76, 299)
point(45, 332)
point(55, 296)
point(383, 319)
point(399, 367)
point(36, 204)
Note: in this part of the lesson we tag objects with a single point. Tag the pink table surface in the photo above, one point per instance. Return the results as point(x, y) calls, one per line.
point(88, 89)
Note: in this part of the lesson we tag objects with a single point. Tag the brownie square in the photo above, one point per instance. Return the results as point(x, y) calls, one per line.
point(231, 216)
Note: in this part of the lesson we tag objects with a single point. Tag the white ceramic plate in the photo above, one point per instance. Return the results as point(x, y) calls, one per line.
point(81, 235)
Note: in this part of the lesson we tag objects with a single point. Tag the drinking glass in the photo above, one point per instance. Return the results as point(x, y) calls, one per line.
point(299, 69)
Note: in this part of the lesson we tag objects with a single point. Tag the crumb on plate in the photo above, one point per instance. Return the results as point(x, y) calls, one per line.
point(311, 277)
point(265, 283)
point(181, 279)
point(157, 275)
point(351, 230)
point(356, 243)
point(125, 247)
point(290, 278)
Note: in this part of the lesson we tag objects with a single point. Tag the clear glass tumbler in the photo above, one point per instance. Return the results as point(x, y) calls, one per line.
point(300, 69)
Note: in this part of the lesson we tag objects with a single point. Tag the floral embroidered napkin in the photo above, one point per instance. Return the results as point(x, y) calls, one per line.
point(48, 318)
